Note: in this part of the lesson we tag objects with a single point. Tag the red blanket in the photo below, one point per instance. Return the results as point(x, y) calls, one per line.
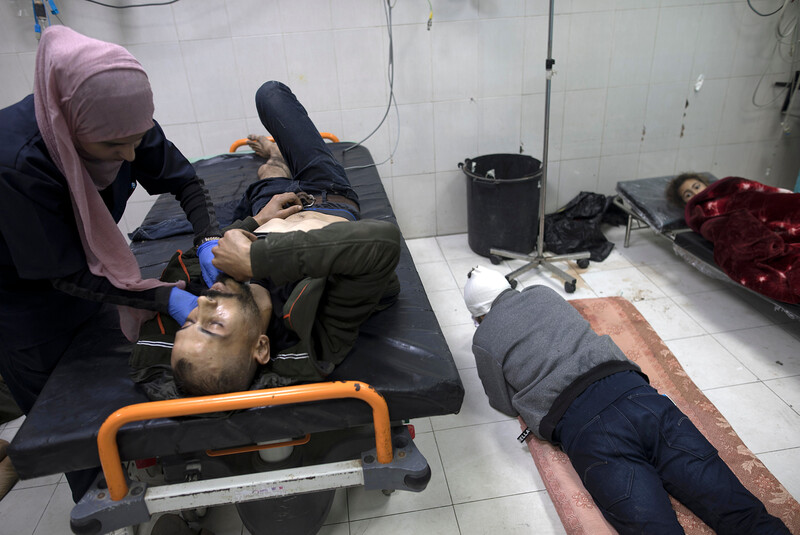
point(755, 230)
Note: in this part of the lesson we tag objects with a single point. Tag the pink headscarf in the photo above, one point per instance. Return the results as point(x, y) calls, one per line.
point(92, 91)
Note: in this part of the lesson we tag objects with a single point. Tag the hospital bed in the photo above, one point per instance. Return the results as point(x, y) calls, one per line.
point(645, 202)
point(346, 432)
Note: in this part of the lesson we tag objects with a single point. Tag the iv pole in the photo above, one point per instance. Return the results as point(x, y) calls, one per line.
point(537, 258)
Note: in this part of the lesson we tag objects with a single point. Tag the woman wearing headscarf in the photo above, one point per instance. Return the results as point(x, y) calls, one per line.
point(71, 155)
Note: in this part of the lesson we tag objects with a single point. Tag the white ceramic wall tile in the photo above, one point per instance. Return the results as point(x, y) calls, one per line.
point(217, 136)
point(668, 319)
point(665, 107)
point(584, 114)
point(305, 15)
point(743, 159)
point(441, 521)
point(413, 76)
point(359, 14)
point(716, 41)
point(783, 465)
point(454, 11)
point(624, 119)
point(512, 515)
point(657, 163)
point(451, 202)
point(91, 20)
point(499, 125)
point(535, 53)
point(576, 176)
point(755, 49)
point(186, 137)
point(164, 65)
point(311, 65)
point(720, 311)
point(148, 25)
point(258, 59)
point(500, 59)
point(424, 250)
point(459, 340)
point(633, 44)
point(16, 29)
point(331, 121)
point(709, 364)
point(589, 50)
point(455, 125)
point(361, 61)
point(551, 188)
point(694, 158)
point(135, 212)
point(629, 283)
point(15, 85)
point(738, 405)
point(475, 409)
point(585, 6)
point(614, 169)
point(537, 7)
point(202, 19)
point(364, 504)
point(744, 122)
point(454, 48)
point(679, 278)
point(254, 17)
point(532, 126)
point(215, 91)
point(486, 461)
point(357, 125)
point(676, 37)
point(415, 150)
point(449, 307)
point(501, 8)
point(412, 13)
point(415, 205)
point(769, 352)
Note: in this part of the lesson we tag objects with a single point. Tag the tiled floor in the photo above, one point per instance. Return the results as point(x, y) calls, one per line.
point(742, 354)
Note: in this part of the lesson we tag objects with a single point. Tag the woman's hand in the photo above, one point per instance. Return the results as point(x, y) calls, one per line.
point(280, 206)
point(232, 254)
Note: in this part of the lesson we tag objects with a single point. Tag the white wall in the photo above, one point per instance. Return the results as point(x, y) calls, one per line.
point(623, 103)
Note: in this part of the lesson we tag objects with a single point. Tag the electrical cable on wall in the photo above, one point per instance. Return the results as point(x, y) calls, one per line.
point(786, 35)
point(388, 6)
point(133, 5)
point(754, 10)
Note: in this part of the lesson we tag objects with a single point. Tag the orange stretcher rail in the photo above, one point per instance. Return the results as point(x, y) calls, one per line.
point(241, 142)
point(107, 436)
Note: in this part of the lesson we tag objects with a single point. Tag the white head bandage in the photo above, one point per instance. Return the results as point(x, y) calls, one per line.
point(482, 288)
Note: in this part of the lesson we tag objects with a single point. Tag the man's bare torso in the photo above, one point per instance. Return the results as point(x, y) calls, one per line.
point(304, 221)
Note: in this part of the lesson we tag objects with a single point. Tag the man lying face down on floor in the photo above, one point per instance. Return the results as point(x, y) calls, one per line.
point(537, 357)
point(296, 279)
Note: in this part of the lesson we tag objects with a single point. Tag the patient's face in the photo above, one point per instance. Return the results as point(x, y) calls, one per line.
point(690, 188)
point(223, 328)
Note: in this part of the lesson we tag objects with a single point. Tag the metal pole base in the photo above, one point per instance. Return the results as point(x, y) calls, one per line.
point(536, 259)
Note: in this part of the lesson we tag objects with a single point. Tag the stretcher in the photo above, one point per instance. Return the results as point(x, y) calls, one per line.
point(351, 430)
point(645, 202)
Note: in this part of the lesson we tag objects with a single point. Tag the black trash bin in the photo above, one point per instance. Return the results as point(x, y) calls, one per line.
point(502, 202)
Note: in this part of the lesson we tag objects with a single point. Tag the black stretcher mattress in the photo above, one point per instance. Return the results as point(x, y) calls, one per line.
point(648, 200)
point(401, 352)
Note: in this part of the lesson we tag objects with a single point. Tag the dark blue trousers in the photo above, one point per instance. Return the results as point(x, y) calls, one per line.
point(314, 169)
point(632, 452)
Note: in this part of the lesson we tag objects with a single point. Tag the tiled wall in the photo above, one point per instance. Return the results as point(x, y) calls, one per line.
point(623, 102)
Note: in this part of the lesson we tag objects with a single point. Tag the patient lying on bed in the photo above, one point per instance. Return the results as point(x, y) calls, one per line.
point(538, 358)
point(300, 272)
point(755, 230)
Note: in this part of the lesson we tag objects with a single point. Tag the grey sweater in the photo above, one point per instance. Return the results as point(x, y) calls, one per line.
point(535, 354)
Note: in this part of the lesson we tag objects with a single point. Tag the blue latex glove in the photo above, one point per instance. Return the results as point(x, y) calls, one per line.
point(181, 303)
point(210, 273)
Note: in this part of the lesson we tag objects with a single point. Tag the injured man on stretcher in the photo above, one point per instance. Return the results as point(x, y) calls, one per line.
point(298, 273)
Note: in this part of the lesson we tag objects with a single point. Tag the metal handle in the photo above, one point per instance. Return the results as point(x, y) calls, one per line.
point(241, 142)
point(107, 436)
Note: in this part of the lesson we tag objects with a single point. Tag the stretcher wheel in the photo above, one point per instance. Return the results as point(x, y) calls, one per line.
point(569, 287)
point(494, 259)
point(583, 263)
point(513, 283)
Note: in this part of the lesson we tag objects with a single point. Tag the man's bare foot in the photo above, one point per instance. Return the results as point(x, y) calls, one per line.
point(262, 146)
